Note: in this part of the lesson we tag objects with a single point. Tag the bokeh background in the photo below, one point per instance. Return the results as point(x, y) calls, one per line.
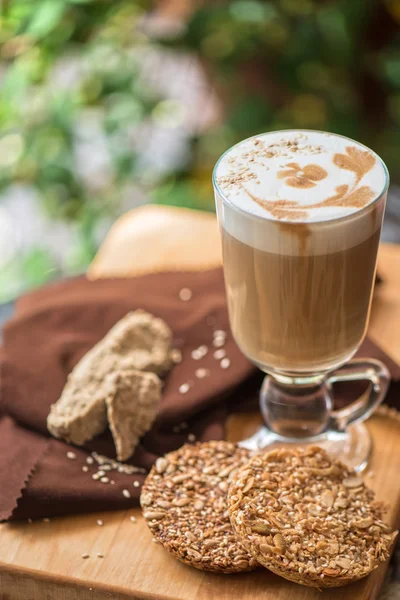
point(109, 104)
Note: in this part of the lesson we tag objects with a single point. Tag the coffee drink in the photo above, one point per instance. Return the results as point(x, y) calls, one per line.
point(300, 229)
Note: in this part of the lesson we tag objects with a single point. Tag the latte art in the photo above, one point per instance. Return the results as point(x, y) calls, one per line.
point(300, 176)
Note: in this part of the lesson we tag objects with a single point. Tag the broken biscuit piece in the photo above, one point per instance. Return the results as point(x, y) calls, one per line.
point(143, 340)
point(138, 341)
point(132, 408)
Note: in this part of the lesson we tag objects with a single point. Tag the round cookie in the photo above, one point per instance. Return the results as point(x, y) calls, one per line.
point(184, 502)
point(308, 518)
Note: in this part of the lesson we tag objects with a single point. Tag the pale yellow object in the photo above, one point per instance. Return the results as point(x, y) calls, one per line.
point(155, 238)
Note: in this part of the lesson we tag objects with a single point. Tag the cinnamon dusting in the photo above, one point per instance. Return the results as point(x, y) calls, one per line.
point(356, 160)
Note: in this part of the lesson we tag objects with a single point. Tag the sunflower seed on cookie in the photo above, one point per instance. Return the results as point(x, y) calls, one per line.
point(184, 502)
point(308, 518)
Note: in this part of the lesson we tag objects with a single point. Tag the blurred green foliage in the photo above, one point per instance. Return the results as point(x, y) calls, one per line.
point(326, 64)
point(331, 65)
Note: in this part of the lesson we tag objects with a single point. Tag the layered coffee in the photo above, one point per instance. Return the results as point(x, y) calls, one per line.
point(300, 231)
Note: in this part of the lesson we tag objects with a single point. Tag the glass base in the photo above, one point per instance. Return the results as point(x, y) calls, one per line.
point(353, 447)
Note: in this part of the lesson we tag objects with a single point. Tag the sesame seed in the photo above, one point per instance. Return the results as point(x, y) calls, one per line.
point(89, 460)
point(100, 555)
point(191, 437)
point(219, 333)
point(176, 356)
point(104, 480)
point(85, 468)
point(99, 522)
point(199, 353)
point(133, 519)
point(185, 294)
point(101, 473)
point(112, 482)
point(225, 363)
point(184, 388)
point(201, 373)
point(218, 342)
point(136, 484)
point(218, 354)
point(85, 555)
point(126, 493)
point(71, 455)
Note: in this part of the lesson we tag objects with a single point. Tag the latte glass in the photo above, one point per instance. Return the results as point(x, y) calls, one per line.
point(299, 296)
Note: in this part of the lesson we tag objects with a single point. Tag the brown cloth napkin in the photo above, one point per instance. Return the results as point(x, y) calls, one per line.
point(53, 328)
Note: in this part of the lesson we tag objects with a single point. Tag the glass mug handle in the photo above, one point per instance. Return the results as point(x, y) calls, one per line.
point(359, 369)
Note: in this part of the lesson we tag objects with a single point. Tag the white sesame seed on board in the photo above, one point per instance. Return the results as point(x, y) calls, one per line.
point(184, 388)
point(89, 460)
point(133, 519)
point(126, 493)
point(136, 484)
point(225, 363)
point(191, 437)
point(85, 555)
point(104, 480)
point(85, 468)
point(218, 354)
point(100, 555)
point(185, 294)
point(71, 455)
point(99, 522)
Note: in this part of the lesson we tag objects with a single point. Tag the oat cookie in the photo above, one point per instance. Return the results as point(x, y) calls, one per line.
point(132, 408)
point(308, 517)
point(139, 341)
point(184, 501)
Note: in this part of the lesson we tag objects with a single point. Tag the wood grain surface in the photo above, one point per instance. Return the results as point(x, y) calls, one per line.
point(43, 561)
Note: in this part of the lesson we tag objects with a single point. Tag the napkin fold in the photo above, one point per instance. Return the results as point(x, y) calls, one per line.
point(52, 329)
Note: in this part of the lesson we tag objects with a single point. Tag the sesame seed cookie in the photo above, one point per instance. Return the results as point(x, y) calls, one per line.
point(308, 518)
point(184, 502)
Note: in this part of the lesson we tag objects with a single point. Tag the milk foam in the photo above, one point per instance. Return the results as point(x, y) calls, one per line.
point(283, 176)
point(297, 171)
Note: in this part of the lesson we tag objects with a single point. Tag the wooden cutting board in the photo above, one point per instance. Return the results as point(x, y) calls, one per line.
point(43, 561)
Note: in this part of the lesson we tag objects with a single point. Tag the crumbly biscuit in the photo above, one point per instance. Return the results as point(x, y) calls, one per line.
point(308, 517)
point(143, 341)
point(139, 341)
point(132, 408)
point(184, 501)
